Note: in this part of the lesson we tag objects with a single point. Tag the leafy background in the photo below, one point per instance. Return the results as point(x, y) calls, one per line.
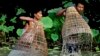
point(11, 26)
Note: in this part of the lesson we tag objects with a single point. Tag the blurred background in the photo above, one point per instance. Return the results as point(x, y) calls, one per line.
point(11, 26)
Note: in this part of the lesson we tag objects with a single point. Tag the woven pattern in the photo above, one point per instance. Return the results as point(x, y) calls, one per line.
point(74, 23)
point(33, 41)
point(76, 33)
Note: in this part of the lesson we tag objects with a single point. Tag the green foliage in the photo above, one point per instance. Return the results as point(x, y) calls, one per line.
point(10, 28)
point(3, 19)
point(68, 4)
point(52, 24)
point(4, 51)
point(5, 48)
point(53, 33)
point(54, 52)
point(13, 20)
point(97, 48)
point(95, 32)
point(3, 27)
point(47, 22)
point(19, 32)
point(64, 2)
point(97, 38)
point(54, 10)
point(87, 1)
point(57, 22)
point(24, 22)
point(54, 37)
point(20, 10)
